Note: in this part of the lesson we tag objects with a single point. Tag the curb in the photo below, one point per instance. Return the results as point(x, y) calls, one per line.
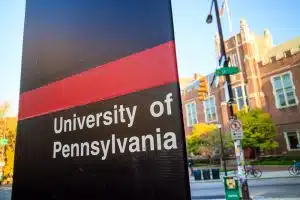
point(221, 180)
point(257, 198)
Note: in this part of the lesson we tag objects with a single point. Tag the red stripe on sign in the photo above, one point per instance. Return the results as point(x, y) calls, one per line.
point(150, 68)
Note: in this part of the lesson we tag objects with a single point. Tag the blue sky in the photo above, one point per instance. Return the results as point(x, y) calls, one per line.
point(194, 38)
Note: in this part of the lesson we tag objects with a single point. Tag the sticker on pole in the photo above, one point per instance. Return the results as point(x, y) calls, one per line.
point(236, 130)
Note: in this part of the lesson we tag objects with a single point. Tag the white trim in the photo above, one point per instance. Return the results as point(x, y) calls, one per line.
point(204, 107)
point(288, 146)
point(234, 91)
point(272, 78)
point(187, 114)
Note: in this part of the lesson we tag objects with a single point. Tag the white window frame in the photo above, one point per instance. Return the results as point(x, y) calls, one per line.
point(234, 61)
point(288, 146)
point(187, 114)
point(234, 91)
point(205, 114)
point(278, 106)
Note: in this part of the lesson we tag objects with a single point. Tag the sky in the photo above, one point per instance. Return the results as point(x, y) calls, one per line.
point(194, 38)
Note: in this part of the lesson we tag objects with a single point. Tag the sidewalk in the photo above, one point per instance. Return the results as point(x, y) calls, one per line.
point(265, 175)
point(266, 198)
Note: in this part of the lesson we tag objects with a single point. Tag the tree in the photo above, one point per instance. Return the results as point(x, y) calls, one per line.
point(201, 139)
point(259, 129)
point(8, 127)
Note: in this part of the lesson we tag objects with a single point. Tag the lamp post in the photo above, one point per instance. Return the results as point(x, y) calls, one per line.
point(222, 148)
point(209, 19)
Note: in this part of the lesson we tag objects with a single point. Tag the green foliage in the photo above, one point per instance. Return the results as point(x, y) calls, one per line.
point(278, 160)
point(203, 139)
point(228, 143)
point(194, 143)
point(259, 129)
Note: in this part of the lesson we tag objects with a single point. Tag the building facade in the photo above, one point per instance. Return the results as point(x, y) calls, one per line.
point(267, 79)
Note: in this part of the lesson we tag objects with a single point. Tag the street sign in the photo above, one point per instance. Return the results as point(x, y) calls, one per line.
point(236, 129)
point(227, 71)
point(3, 141)
point(100, 113)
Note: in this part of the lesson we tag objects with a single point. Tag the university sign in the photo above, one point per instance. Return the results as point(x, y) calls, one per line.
point(100, 113)
point(136, 143)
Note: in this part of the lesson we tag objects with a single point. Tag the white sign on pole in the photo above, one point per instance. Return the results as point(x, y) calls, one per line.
point(236, 130)
point(2, 163)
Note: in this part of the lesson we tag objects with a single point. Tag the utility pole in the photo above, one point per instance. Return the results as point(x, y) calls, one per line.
point(237, 143)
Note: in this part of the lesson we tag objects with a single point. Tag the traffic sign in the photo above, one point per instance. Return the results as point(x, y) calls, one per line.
point(227, 71)
point(236, 129)
point(3, 141)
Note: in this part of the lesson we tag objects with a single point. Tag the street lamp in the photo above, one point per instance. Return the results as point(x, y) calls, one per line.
point(209, 20)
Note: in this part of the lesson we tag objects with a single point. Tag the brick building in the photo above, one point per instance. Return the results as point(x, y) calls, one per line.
point(267, 79)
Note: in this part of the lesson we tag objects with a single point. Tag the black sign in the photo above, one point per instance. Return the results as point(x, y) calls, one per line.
point(100, 112)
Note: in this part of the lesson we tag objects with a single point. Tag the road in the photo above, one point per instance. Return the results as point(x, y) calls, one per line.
point(5, 193)
point(267, 188)
point(275, 188)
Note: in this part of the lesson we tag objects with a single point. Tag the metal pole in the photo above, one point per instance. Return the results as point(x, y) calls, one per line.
point(244, 184)
point(223, 52)
point(222, 150)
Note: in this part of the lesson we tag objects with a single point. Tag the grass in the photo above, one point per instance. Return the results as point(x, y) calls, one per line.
point(279, 161)
point(275, 161)
point(272, 162)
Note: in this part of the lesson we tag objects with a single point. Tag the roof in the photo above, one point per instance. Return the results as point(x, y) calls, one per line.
point(278, 51)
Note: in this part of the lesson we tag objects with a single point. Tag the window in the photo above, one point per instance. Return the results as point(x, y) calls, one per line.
point(240, 96)
point(191, 114)
point(210, 109)
point(234, 60)
point(284, 90)
point(292, 140)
